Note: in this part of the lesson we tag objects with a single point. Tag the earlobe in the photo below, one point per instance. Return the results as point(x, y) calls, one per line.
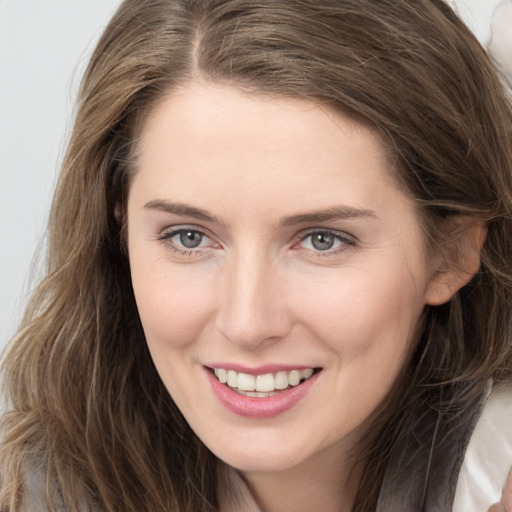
point(458, 262)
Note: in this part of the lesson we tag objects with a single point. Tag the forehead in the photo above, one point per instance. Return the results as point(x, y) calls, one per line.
point(253, 162)
point(205, 128)
point(214, 101)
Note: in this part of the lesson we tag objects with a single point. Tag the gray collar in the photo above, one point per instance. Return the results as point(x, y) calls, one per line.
point(423, 471)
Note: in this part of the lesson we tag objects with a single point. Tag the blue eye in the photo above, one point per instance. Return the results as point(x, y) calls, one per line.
point(326, 241)
point(185, 240)
point(189, 238)
point(322, 241)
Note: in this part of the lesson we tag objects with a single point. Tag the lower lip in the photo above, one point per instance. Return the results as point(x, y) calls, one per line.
point(255, 407)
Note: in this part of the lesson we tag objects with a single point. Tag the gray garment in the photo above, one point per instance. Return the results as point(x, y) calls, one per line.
point(423, 477)
point(34, 492)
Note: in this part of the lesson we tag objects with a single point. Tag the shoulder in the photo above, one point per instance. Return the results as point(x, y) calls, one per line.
point(34, 494)
point(488, 456)
point(37, 489)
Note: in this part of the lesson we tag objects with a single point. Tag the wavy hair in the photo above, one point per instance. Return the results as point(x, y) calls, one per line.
point(87, 408)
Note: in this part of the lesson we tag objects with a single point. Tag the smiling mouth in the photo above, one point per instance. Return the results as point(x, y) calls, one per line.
point(262, 386)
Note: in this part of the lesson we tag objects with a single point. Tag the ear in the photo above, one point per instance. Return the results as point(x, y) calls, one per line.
point(458, 259)
point(118, 213)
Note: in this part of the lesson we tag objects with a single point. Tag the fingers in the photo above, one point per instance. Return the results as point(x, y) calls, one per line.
point(506, 497)
point(505, 505)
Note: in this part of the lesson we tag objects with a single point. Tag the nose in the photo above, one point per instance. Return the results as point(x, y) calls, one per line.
point(252, 307)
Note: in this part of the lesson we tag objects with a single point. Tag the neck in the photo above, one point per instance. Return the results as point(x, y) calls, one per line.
point(319, 483)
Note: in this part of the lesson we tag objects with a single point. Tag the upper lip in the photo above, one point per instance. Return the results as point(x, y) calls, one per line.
point(258, 370)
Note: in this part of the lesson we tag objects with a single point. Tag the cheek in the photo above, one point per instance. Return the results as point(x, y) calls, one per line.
point(364, 307)
point(174, 309)
point(369, 326)
point(173, 306)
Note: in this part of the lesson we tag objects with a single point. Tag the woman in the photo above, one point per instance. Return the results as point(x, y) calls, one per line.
point(279, 270)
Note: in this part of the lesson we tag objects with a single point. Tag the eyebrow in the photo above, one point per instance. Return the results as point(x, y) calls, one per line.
point(329, 214)
point(183, 209)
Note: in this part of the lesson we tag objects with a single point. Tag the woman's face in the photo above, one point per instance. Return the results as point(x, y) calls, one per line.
point(269, 244)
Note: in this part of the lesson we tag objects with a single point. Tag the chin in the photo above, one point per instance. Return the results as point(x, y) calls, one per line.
point(263, 464)
point(261, 458)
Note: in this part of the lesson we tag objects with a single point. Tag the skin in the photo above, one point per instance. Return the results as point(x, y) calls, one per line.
point(257, 291)
point(505, 504)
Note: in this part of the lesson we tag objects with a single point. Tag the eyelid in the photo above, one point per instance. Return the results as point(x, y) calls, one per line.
point(170, 231)
point(165, 237)
point(336, 232)
point(347, 240)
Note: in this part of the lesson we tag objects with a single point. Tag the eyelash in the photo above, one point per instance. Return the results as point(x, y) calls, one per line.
point(345, 240)
point(166, 239)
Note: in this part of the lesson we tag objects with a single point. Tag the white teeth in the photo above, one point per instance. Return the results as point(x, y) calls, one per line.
point(281, 380)
point(256, 394)
point(246, 382)
point(232, 379)
point(265, 383)
point(261, 385)
point(305, 374)
point(294, 377)
point(222, 375)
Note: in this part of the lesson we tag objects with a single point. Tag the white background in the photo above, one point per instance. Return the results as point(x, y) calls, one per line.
point(44, 46)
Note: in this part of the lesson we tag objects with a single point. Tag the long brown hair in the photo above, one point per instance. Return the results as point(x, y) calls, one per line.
point(86, 404)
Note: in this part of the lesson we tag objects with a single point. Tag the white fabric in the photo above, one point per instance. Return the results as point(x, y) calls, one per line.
point(484, 471)
point(483, 474)
point(477, 14)
point(491, 22)
point(488, 457)
point(500, 45)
